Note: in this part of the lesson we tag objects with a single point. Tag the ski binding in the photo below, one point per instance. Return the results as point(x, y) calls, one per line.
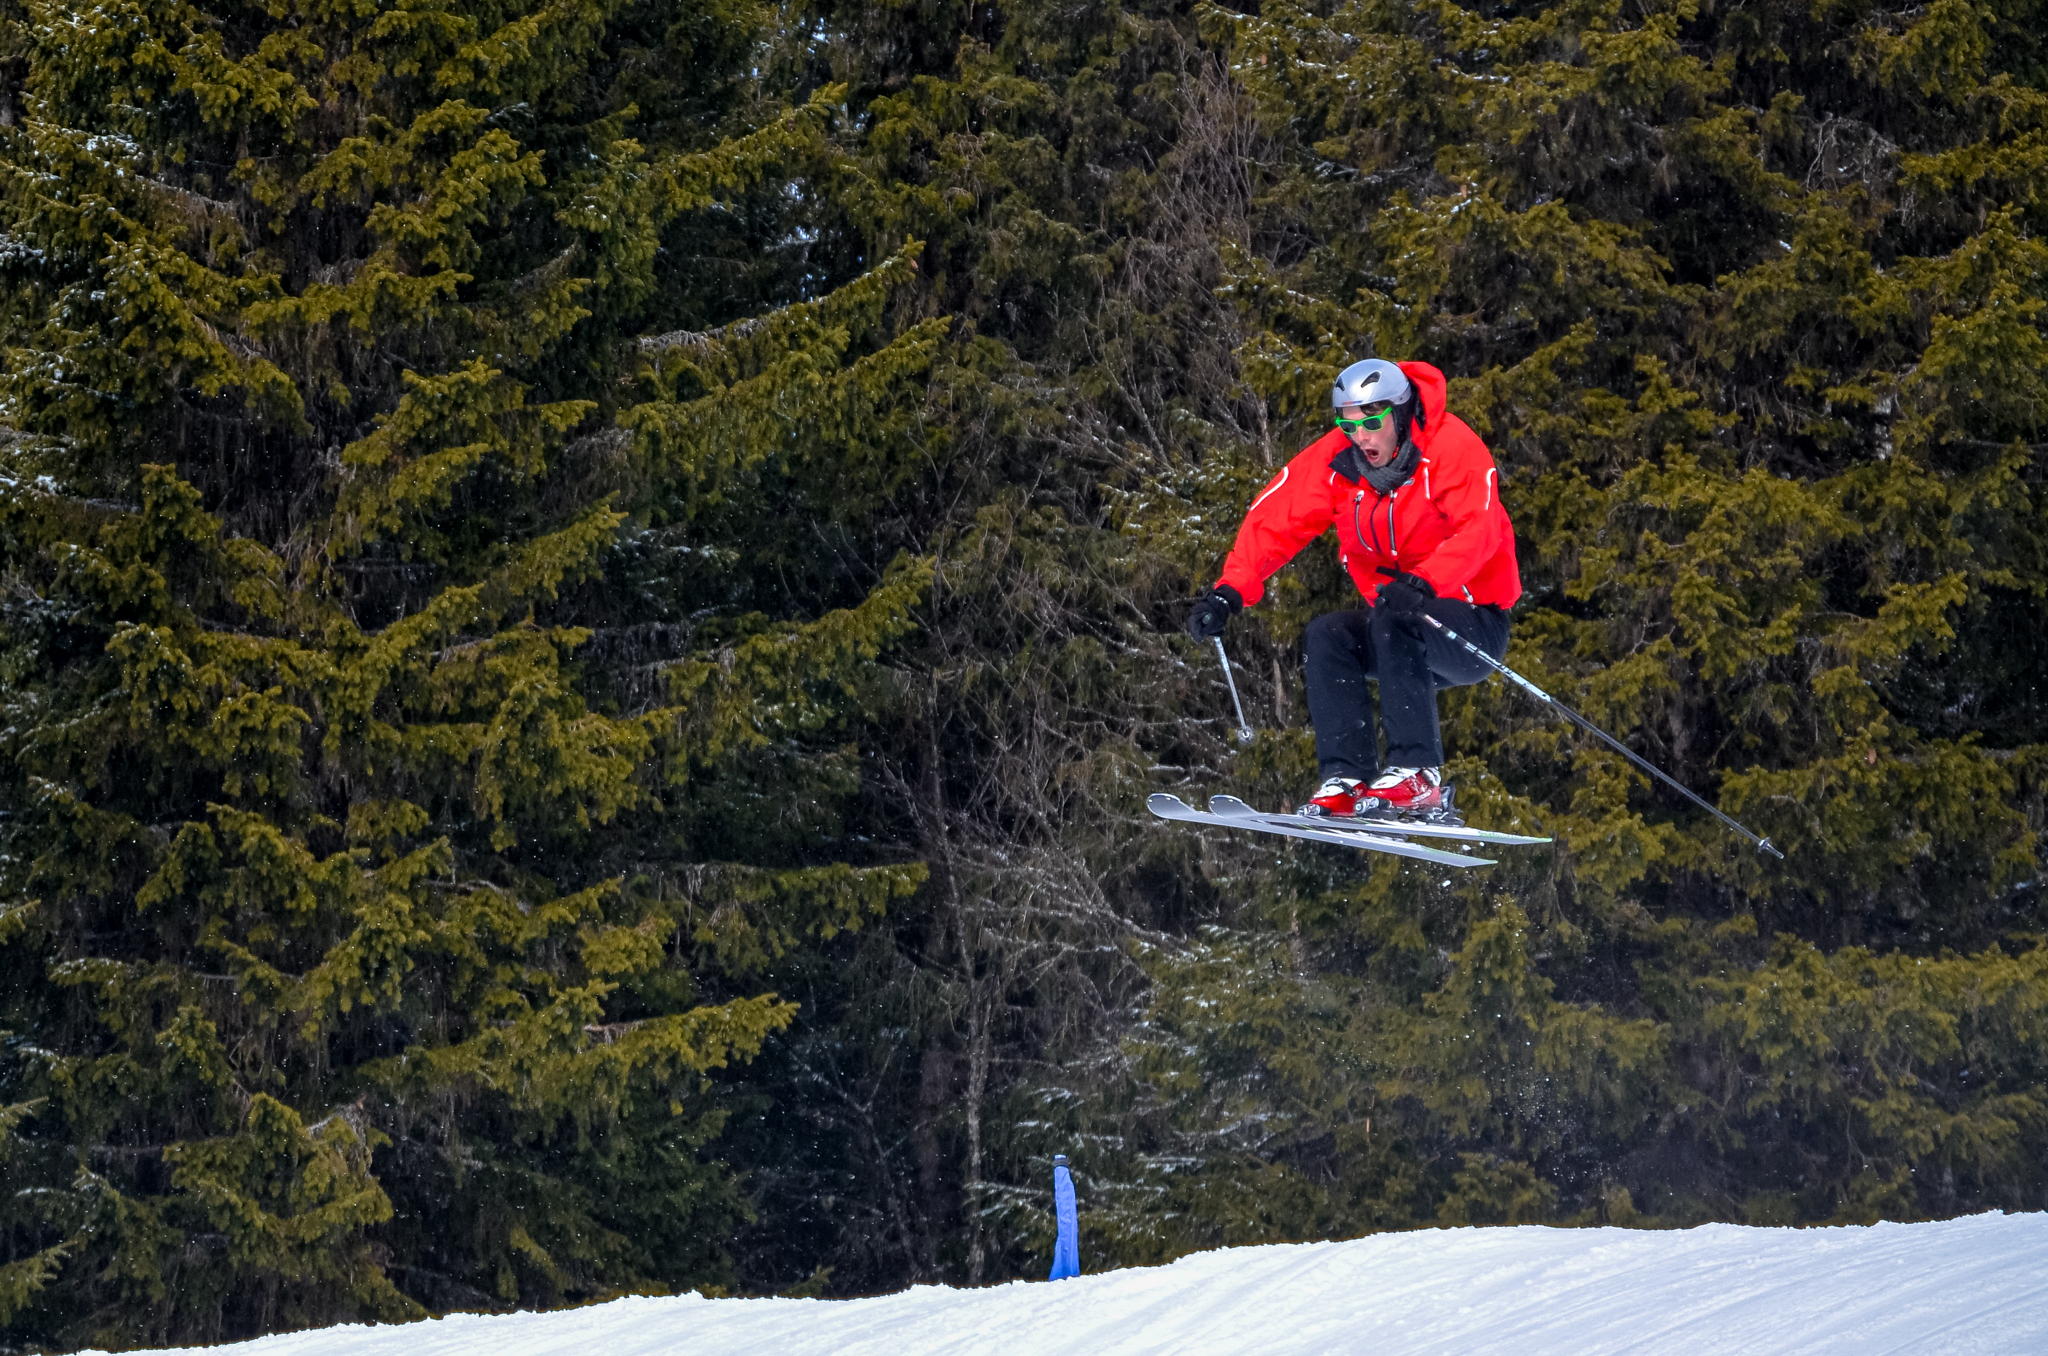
point(1173, 807)
point(1374, 835)
point(1232, 807)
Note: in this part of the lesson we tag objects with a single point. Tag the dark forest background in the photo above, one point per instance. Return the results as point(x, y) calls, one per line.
point(592, 594)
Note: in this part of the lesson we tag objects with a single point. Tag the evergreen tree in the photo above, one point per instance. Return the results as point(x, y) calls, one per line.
point(376, 935)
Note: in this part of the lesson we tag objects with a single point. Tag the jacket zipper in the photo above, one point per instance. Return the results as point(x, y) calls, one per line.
point(1391, 547)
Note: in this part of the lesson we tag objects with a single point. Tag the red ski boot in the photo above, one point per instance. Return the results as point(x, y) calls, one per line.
point(1409, 793)
point(1414, 793)
point(1338, 797)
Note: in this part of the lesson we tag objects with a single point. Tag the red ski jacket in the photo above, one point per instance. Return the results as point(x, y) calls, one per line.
point(1445, 523)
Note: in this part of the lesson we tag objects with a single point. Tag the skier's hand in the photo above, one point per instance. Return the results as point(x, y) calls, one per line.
point(1404, 594)
point(1214, 611)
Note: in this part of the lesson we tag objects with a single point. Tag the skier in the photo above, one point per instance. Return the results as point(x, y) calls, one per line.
point(1415, 498)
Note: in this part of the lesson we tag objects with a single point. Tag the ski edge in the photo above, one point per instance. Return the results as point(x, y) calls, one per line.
point(1172, 807)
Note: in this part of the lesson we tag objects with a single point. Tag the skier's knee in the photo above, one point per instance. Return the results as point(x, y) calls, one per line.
point(1388, 626)
point(1327, 634)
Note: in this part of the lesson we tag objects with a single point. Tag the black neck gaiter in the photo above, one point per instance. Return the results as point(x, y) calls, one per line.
point(1386, 479)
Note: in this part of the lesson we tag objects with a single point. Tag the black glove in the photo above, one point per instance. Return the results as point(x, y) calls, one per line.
point(1215, 609)
point(1404, 594)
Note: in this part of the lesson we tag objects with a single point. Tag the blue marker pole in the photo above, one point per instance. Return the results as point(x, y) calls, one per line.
point(1066, 1253)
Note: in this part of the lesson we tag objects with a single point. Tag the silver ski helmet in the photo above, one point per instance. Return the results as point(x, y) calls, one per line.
point(1375, 380)
point(1370, 382)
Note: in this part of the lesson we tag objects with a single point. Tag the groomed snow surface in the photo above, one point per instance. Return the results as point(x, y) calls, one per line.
point(1976, 1285)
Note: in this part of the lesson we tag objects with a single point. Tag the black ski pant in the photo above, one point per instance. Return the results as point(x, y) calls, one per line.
point(1410, 660)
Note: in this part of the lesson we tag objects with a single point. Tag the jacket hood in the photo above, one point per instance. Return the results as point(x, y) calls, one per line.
point(1434, 392)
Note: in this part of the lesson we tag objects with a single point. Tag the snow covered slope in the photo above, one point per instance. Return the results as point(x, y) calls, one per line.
point(1977, 1285)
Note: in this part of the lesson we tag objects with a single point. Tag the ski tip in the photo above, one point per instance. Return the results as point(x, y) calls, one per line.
point(1167, 807)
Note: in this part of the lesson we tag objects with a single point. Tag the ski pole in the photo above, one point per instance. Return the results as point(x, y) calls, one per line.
point(1762, 844)
point(1244, 731)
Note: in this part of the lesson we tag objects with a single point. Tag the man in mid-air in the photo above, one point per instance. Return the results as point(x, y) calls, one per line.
point(1415, 498)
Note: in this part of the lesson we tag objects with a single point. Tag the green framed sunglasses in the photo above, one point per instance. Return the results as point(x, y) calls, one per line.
point(1374, 419)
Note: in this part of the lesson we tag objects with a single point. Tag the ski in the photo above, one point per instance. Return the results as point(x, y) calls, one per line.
point(1232, 808)
point(1173, 807)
